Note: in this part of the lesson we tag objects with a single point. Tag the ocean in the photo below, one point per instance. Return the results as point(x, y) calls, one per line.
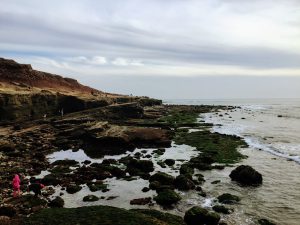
point(271, 128)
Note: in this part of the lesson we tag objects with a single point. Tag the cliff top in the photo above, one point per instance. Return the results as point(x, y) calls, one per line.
point(16, 77)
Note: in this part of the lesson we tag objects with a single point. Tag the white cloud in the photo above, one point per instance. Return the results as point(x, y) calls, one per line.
point(126, 62)
point(98, 60)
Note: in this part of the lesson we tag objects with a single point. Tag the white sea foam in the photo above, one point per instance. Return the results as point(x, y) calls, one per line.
point(253, 130)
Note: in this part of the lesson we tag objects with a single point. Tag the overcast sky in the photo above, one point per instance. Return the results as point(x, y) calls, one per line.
point(161, 48)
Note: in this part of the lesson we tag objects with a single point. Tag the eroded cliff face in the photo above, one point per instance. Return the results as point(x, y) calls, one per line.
point(36, 105)
point(27, 94)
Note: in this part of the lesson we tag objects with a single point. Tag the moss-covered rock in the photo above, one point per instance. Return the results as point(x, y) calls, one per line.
point(58, 202)
point(184, 183)
point(167, 197)
point(227, 198)
point(90, 198)
point(71, 189)
point(221, 209)
point(200, 216)
point(162, 178)
point(105, 215)
point(246, 175)
point(186, 168)
point(214, 147)
point(97, 186)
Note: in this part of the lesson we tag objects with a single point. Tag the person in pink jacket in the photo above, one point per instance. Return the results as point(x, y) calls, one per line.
point(16, 185)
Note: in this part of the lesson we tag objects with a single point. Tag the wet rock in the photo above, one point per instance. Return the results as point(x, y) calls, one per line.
point(9, 211)
point(60, 169)
point(246, 175)
point(227, 198)
point(202, 193)
point(145, 189)
point(167, 197)
point(140, 201)
point(201, 179)
point(215, 182)
point(90, 198)
point(218, 167)
point(184, 183)
point(86, 162)
point(161, 164)
point(154, 185)
point(66, 162)
point(58, 202)
point(51, 179)
point(265, 222)
point(186, 169)
point(200, 216)
point(97, 186)
point(221, 209)
point(159, 151)
point(111, 197)
point(71, 189)
point(109, 161)
point(136, 167)
point(170, 162)
point(162, 178)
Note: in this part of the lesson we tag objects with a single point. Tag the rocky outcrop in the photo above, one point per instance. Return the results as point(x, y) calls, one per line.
point(167, 197)
point(246, 175)
point(28, 106)
point(197, 216)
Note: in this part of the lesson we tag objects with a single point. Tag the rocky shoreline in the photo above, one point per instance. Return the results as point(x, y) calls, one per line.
point(111, 130)
point(139, 129)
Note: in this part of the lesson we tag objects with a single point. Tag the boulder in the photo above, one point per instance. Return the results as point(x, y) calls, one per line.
point(66, 162)
point(200, 216)
point(90, 198)
point(51, 179)
point(221, 209)
point(58, 202)
point(227, 198)
point(97, 186)
point(265, 222)
point(144, 166)
point(186, 169)
point(162, 178)
point(71, 189)
point(246, 175)
point(170, 162)
point(184, 183)
point(167, 197)
point(140, 201)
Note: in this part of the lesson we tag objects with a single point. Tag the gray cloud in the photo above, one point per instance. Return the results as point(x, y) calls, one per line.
point(140, 37)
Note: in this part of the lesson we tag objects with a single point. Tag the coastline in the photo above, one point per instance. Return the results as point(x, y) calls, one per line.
point(177, 124)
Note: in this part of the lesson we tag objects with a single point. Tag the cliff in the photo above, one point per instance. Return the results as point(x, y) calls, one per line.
point(27, 94)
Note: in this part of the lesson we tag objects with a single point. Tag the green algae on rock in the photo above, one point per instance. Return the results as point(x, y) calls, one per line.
point(167, 197)
point(101, 215)
point(219, 148)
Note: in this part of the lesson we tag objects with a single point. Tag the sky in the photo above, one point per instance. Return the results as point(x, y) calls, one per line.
point(161, 48)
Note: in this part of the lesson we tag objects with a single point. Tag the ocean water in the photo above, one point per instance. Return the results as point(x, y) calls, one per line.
point(272, 130)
